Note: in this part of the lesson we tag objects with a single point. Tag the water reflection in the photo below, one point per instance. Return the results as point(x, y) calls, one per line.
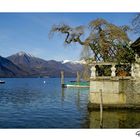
point(80, 96)
point(115, 119)
point(78, 99)
point(29, 103)
point(62, 95)
point(74, 92)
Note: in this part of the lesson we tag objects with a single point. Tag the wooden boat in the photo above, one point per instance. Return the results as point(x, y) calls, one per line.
point(2, 82)
point(78, 84)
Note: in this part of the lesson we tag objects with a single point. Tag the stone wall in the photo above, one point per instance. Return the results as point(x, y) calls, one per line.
point(116, 92)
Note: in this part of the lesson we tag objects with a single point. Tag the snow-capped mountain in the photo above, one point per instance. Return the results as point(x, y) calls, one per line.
point(23, 53)
point(73, 62)
point(38, 67)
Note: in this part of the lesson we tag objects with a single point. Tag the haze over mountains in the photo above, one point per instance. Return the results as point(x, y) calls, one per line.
point(26, 65)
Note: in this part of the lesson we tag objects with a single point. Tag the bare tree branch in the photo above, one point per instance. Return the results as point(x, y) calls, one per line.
point(105, 39)
point(136, 23)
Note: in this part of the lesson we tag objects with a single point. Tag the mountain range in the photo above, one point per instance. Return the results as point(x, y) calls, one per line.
point(26, 65)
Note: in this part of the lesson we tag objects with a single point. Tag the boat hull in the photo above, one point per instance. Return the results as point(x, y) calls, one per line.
point(78, 84)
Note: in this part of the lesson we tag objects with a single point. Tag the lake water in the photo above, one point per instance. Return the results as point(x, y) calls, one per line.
point(31, 103)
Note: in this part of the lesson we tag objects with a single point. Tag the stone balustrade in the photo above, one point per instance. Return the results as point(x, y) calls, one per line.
point(122, 92)
point(113, 69)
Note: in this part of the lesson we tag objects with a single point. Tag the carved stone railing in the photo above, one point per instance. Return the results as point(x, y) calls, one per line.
point(113, 69)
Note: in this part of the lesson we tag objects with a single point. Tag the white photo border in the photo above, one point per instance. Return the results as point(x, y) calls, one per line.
point(68, 6)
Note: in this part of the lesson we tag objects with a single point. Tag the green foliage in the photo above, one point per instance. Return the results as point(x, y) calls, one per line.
point(103, 70)
point(125, 54)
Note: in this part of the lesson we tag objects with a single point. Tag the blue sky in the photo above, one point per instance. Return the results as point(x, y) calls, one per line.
point(29, 32)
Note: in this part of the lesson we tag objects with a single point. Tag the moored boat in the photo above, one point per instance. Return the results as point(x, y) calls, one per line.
point(2, 82)
point(77, 84)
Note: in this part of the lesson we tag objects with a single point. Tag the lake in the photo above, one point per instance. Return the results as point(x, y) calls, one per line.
point(31, 103)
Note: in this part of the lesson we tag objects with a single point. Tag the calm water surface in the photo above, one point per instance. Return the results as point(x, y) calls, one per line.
point(31, 103)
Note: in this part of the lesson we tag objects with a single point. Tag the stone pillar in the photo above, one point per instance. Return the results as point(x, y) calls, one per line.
point(136, 68)
point(137, 71)
point(132, 71)
point(113, 69)
point(93, 72)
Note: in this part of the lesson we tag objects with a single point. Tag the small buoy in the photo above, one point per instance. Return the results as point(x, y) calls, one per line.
point(44, 82)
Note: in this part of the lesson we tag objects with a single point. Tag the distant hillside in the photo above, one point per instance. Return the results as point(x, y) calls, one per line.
point(9, 69)
point(38, 67)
